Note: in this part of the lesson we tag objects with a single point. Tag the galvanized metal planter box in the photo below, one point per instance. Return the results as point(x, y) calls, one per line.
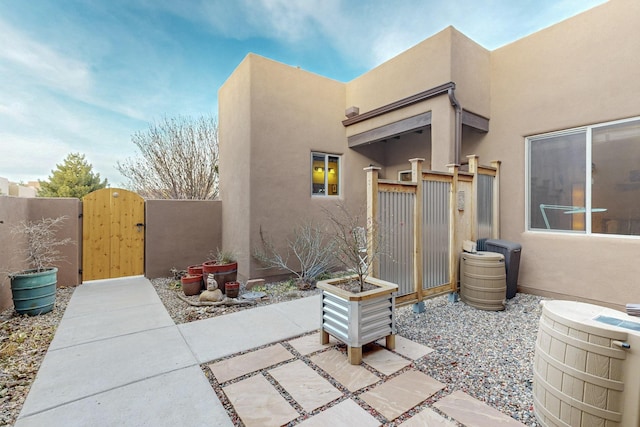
point(357, 319)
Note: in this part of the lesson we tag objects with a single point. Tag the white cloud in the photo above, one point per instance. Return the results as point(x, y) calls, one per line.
point(42, 63)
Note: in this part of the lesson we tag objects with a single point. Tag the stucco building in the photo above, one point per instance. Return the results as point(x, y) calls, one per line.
point(559, 108)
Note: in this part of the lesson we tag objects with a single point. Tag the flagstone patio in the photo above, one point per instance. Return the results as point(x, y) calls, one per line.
point(302, 382)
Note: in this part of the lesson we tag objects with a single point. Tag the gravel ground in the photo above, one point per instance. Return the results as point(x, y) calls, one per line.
point(24, 341)
point(181, 312)
point(486, 354)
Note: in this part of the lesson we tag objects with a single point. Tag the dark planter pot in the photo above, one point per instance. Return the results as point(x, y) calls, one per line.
point(232, 289)
point(34, 292)
point(223, 273)
point(191, 285)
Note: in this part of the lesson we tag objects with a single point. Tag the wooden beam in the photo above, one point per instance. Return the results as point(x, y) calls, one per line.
point(391, 130)
point(475, 121)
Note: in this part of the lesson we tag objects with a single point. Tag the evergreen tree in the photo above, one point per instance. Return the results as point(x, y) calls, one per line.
point(73, 178)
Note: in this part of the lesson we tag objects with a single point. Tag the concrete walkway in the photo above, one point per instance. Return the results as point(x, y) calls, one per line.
point(118, 359)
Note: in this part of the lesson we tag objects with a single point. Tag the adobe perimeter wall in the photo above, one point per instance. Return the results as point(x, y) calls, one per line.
point(13, 210)
point(179, 233)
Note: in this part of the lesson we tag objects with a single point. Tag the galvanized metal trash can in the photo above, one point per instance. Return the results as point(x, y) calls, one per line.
point(511, 252)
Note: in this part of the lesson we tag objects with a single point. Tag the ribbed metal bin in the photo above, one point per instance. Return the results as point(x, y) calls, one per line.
point(371, 319)
point(483, 280)
point(586, 366)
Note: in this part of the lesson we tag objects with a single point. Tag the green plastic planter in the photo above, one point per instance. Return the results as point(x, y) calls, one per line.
point(34, 293)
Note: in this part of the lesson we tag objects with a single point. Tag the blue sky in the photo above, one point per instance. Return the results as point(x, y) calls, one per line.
point(83, 76)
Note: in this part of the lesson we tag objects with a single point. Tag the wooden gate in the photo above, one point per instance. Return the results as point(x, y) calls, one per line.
point(112, 234)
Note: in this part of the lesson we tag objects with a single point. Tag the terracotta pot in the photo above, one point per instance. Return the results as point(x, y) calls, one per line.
point(209, 267)
point(223, 273)
point(191, 284)
point(194, 269)
point(232, 289)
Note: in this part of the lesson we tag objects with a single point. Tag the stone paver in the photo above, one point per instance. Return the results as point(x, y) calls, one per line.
point(311, 343)
point(470, 411)
point(428, 417)
point(238, 366)
point(408, 348)
point(401, 393)
point(305, 385)
point(384, 361)
point(335, 363)
point(344, 414)
point(258, 403)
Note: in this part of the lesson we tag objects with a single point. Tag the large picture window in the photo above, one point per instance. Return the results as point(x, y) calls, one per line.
point(586, 180)
point(325, 174)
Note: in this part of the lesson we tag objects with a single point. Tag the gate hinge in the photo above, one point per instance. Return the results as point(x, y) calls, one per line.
point(80, 215)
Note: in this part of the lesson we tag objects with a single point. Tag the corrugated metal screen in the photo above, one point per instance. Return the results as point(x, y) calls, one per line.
point(435, 233)
point(395, 213)
point(485, 206)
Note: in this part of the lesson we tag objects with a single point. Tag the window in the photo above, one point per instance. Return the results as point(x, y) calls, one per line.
point(586, 180)
point(325, 174)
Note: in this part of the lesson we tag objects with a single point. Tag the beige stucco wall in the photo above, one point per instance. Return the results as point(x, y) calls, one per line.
point(16, 209)
point(448, 56)
point(234, 134)
point(582, 71)
point(180, 233)
point(425, 65)
point(272, 116)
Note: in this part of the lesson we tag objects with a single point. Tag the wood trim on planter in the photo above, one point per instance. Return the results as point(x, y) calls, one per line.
point(357, 319)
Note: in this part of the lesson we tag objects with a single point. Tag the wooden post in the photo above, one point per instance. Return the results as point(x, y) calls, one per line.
point(496, 200)
point(372, 214)
point(416, 176)
point(453, 228)
point(473, 168)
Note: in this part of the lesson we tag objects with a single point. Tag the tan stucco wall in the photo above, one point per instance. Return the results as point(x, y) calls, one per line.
point(234, 134)
point(448, 56)
point(471, 72)
point(582, 71)
point(180, 233)
point(426, 65)
point(16, 209)
point(272, 116)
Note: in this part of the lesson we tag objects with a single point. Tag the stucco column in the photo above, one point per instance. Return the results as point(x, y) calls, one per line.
point(443, 131)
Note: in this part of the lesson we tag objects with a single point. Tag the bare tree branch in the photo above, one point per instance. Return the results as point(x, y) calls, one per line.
point(42, 245)
point(312, 251)
point(178, 160)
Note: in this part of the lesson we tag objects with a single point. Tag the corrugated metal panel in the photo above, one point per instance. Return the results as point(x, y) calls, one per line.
point(435, 233)
point(485, 206)
point(395, 213)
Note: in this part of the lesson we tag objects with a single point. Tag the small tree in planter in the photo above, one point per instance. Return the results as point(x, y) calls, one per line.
point(34, 289)
point(310, 250)
point(357, 309)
